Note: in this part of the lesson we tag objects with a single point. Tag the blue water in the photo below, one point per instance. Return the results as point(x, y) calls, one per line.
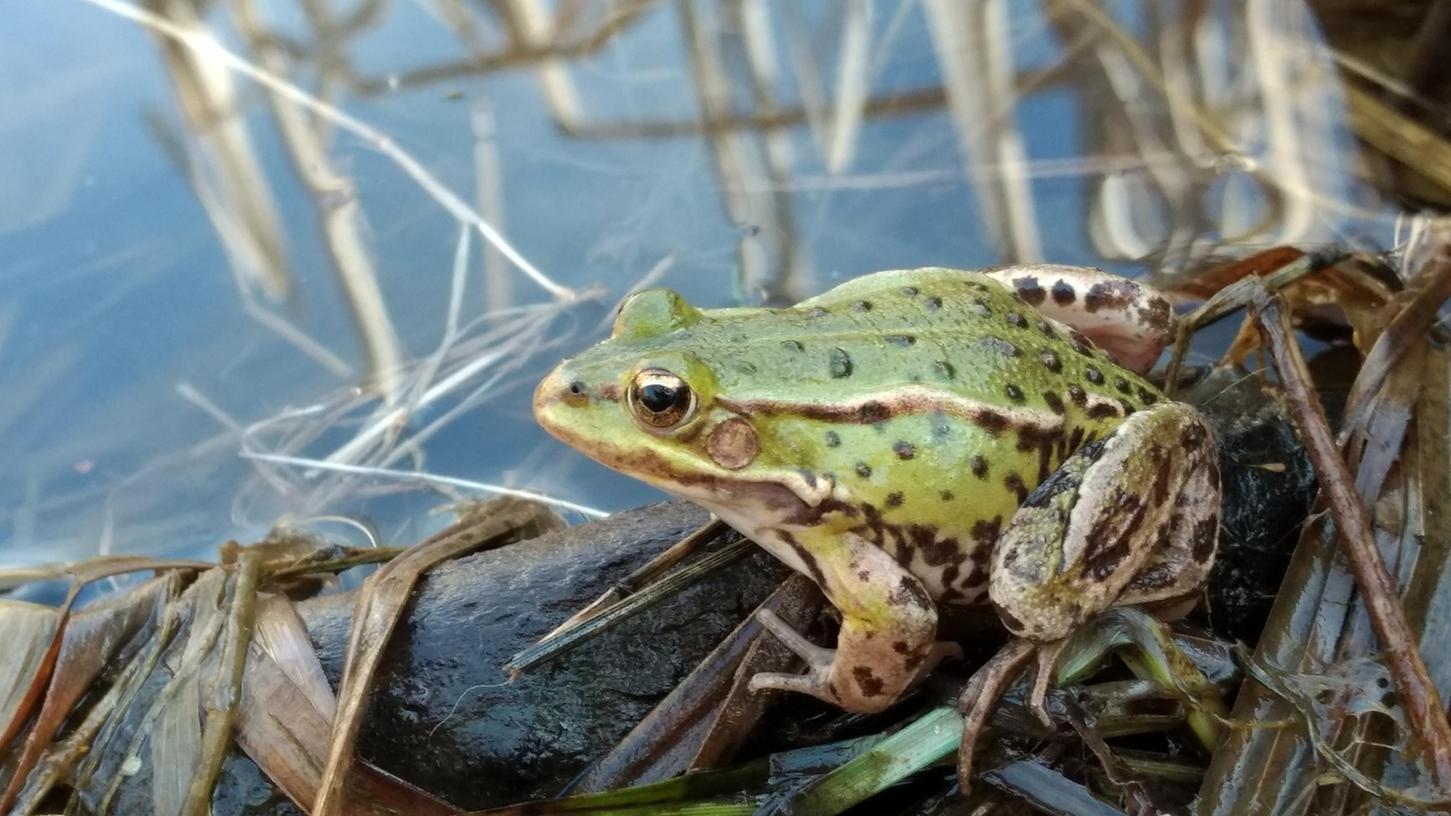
point(119, 296)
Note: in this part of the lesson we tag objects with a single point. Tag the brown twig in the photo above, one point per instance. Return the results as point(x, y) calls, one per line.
point(1416, 693)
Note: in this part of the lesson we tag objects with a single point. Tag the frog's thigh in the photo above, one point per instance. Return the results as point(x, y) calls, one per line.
point(1129, 320)
point(1130, 519)
point(888, 623)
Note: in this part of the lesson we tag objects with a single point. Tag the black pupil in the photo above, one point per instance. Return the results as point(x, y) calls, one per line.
point(658, 398)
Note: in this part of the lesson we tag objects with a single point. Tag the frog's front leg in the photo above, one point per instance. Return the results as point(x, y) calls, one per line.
point(888, 626)
point(1132, 519)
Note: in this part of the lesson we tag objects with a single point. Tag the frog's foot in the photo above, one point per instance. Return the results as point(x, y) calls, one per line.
point(888, 627)
point(816, 680)
point(980, 697)
point(1048, 654)
point(821, 662)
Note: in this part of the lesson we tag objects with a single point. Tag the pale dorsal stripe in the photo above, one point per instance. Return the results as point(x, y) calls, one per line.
point(904, 401)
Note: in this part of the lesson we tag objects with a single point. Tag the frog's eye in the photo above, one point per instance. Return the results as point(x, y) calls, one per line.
point(660, 399)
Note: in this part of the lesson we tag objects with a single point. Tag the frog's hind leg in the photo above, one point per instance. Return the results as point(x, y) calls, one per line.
point(1129, 320)
point(888, 627)
point(1130, 519)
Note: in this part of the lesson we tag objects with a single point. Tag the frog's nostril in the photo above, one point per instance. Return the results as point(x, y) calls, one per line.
point(576, 393)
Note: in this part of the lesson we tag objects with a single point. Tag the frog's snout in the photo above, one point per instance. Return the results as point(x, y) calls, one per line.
point(561, 390)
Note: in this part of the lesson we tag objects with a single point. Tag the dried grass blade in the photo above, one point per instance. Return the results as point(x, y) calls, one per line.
point(82, 574)
point(91, 639)
point(225, 687)
point(379, 607)
point(705, 717)
point(177, 733)
point(1407, 330)
point(579, 634)
point(26, 631)
point(285, 715)
point(62, 758)
point(631, 583)
point(1417, 694)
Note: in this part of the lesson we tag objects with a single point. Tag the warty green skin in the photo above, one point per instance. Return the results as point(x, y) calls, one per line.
point(880, 438)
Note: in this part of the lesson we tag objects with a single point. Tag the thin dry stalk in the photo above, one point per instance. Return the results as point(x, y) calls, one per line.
point(1415, 691)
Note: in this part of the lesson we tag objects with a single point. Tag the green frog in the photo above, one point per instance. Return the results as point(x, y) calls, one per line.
point(916, 438)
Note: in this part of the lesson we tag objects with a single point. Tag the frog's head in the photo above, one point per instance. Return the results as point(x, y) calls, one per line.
point(648, 402)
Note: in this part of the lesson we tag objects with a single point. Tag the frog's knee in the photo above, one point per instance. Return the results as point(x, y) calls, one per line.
point(1131, 321)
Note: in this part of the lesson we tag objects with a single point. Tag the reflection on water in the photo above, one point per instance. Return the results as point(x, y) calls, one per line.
point(354, 233)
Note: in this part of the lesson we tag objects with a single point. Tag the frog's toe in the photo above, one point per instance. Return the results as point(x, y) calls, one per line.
point(818, 658)
point(814, 682)
point(980, 697)
point(940, 651)
point(1042, 678)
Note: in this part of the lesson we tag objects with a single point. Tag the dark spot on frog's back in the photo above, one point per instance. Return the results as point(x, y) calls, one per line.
point(1063, 293)
point(985, 533)
point(991, 421)
point(979, 466)
point(833, 439)
point(1029, 290)
point(1204, 537)
point(904, 450)
point(1112, 294)
point(1014, 393)
point(932, 304)
point(900, 340)
point(1051, 361)
point(1160, 491)
point(864, 470)
point(792, 345)
point(840, 366)
point(870, 413)
point(862, 306)
point(1054, 402)
point(1157, 314)
point(1156, 576)
point(895, 499)
point(1017, 320)
point(944, 369)
point(867, 681)
point(1015, 483)
point(997, 345)
point(910, 593)
point(1192, 437)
